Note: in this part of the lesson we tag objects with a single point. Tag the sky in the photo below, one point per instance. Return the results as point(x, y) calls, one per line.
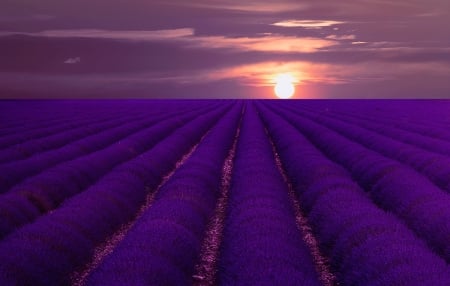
point(224, 48)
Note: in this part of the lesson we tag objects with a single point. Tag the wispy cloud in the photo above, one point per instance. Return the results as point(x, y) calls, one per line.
point(264, 44)
point(252, 6)
point(258, 75)
point(307, 24)
point(341, 37)
point(187, 38)
point(390, 49)
point(430, 14)
point(264, 74)
point(112, 34)
point(72, 61)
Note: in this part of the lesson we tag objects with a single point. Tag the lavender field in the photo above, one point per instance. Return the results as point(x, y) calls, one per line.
point(225, 192)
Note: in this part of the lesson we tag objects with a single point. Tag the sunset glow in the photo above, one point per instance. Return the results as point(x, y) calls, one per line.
point(225, 49)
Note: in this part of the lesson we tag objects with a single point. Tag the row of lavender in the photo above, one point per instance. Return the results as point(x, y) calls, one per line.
point(33, 154)
point(134, 209)
point(40, 184)
point(111, 182)
point(412, 182)
point(366, 244)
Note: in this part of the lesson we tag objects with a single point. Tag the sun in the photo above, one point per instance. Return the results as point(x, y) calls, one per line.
point(284, 86)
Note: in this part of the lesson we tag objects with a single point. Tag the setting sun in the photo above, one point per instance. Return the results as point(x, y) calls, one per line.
point(284, 87)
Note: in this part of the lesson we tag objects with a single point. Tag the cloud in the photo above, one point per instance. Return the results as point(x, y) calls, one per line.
point(187, 38)
point(155, 35)
point(431, 14)
point(72, 61)
point(393, 49)
point(341, 37)
point(263, 74)
point(252, 6)
point(307, 24)
point(392, 79)
point(264, 44)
